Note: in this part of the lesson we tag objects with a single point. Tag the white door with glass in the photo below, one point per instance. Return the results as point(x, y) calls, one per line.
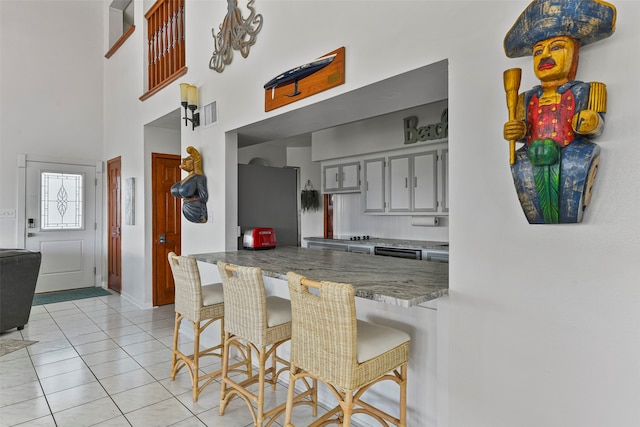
point(60, 223)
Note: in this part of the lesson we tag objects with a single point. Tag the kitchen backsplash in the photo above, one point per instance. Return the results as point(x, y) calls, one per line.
point(349, 220)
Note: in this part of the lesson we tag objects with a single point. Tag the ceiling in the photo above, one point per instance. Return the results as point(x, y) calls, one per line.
point(407, 90)
point(170, 121)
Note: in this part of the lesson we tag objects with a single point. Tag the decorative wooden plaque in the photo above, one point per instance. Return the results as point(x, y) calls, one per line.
point(328, 77)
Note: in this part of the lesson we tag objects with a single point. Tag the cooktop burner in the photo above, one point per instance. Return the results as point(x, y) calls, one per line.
point(345, 237)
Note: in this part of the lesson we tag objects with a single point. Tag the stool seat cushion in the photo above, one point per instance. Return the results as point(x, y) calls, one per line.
point(374, 340)
point(212, 294)
point(278, 311)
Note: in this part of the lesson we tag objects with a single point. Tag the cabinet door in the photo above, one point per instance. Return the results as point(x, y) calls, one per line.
point(328, 246)
point(444, 178)
point(350, 176)
point(399, 186)
point(425, 182)
point(331, 178)
point(374, 185)
point(361, 250)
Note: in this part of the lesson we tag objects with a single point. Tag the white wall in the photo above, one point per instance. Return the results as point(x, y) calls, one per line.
point(311, 222)
point(543, 319)
point(349, 220)
point(273, 154)
point(50, 89)
point(376, 135)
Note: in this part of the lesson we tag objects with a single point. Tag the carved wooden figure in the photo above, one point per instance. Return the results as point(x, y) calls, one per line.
point(192, 189)
point(555, 169)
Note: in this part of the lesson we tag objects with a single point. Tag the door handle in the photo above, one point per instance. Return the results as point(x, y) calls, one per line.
point(31, 234)
point(163, 239)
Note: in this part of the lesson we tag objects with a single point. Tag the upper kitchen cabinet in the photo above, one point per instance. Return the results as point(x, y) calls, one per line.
point(407, 182)
point(413, 182)
point(444, 181)
point(374, 180)
point(341, 178)
point(399, 158)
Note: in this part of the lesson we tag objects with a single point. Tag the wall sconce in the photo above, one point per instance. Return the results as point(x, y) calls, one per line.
point(189, 100)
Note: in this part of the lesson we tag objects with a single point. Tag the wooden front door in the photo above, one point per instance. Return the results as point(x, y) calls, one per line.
point(114, 257)
point(166, 214)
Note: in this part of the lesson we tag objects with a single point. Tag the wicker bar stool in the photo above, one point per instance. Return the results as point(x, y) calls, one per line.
point(348, 355)
point(197, 304)
point(263, 323)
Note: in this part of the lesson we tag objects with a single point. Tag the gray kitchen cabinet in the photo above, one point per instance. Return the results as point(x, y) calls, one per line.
point(425, 182)
point(343, 177)
point(445, 180)
point(330, 246)
point(342, 247)
point(399, 191)
point(360, 249)
point(374, 180)
point(413, 182)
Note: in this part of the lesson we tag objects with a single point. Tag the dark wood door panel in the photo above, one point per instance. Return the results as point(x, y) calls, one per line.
point(166, 213)
point(114, 256)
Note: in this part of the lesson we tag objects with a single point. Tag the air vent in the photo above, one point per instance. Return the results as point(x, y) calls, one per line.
point(210, 112)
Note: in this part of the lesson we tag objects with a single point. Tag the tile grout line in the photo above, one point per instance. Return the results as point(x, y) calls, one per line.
point(143, 368)
point(40, 382)
point(117, 314)
point(85, 363)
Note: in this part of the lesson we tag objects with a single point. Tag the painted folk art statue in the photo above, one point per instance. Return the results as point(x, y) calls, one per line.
point(192, 189)
point(555, 169)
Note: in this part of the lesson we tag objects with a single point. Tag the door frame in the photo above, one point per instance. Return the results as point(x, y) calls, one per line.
point(21, 228)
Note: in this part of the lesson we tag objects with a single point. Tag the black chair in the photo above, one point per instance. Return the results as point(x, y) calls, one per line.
point(19, 270)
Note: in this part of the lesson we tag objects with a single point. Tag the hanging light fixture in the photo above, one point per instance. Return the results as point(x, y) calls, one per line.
point(189, 100)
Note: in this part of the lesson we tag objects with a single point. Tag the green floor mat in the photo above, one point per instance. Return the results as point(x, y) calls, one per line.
point(70, 295)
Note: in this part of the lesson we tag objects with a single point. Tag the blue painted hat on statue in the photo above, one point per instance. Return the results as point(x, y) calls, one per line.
point(586, 21)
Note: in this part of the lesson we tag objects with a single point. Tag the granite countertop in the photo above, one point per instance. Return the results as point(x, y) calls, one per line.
point(393, 243)
point(390, 280)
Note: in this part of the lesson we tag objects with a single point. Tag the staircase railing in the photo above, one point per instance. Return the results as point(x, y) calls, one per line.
point(166, 44)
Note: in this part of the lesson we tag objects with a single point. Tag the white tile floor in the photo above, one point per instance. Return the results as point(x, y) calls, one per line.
point(105, 362)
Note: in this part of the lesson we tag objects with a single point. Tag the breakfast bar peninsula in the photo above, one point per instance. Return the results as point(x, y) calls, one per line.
point(409, 295)
point(390, 280)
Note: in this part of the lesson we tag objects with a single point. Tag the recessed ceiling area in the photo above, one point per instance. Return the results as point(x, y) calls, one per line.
point(417, 87)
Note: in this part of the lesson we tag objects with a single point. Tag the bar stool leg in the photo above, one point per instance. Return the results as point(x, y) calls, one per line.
point(274, 369)
point(196, 357)
point(174, 355)
point(225, 369)
point(290, 393)
point(261, 377)
point(347, 408)
point(403, 396)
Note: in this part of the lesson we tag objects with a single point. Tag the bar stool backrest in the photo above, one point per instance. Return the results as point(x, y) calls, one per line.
point(186, 275)
point(245, 302)
point(324, 331)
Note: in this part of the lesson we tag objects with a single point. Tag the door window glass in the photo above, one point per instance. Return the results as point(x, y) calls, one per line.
point(61, 201)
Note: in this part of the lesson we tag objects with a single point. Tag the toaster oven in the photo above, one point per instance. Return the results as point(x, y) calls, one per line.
point(259, 238)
